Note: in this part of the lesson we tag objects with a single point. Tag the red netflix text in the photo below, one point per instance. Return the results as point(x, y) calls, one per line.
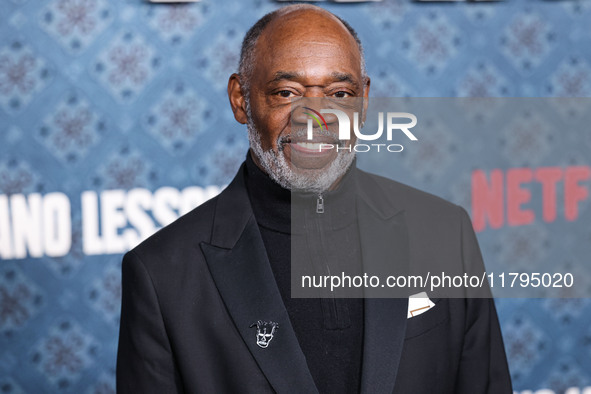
point(501, 197)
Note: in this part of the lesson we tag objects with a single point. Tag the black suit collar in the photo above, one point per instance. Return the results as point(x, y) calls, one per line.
point(384, 237)
point(240, 268)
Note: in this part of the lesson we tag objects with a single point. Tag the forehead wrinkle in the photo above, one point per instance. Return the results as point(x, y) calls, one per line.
point(310, 46)
point(289, 75)
point(306, 39)
point(324, 42)
point(314, 53)
point(335, 76)
point(343, 77)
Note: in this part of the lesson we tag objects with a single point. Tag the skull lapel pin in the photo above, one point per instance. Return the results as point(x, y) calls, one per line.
point(265, 332)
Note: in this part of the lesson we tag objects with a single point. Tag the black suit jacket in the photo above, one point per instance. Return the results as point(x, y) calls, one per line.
point(192, 291)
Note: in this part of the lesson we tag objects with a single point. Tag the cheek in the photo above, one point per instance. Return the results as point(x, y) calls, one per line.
point(271, 127)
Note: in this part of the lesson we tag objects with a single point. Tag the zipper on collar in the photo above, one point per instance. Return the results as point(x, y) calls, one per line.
point(320, 204)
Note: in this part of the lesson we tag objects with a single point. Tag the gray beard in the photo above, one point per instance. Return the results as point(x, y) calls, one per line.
point(278, 168)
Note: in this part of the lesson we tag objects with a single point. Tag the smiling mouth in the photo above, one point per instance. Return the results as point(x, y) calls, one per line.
point(312, 147)
point(319, 144)
point(305, 154)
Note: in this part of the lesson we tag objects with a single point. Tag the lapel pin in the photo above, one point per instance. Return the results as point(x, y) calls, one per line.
point(265, 332)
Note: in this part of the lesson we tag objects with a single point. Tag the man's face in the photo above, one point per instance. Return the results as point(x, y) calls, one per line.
point(304, 54)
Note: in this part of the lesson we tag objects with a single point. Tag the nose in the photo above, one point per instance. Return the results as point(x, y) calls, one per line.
point(310, 108)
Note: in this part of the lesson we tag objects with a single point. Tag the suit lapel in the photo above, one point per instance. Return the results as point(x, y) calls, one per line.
point(240, 268)
point(384, 237)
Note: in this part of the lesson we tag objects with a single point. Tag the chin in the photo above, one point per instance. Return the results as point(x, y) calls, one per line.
point(293, 178)
point(304, 180)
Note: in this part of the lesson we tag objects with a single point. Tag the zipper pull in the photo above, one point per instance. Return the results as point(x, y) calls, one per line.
point(320, 204)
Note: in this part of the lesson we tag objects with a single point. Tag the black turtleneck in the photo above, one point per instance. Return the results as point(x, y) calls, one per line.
point(329, 330)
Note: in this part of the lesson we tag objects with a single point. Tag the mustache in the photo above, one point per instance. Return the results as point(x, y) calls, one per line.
point(302, 134)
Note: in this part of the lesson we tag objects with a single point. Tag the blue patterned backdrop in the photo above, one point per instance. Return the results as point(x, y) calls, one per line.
point(99, 97)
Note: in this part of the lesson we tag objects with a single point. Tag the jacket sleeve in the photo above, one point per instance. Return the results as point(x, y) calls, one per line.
point(483, 365)
point(145, 363)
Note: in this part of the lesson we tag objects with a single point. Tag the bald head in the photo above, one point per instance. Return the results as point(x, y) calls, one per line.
point(308, 16)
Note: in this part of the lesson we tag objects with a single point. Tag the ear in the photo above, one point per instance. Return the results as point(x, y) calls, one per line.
point(365, 99)
point(366, 87)
point(237, 101)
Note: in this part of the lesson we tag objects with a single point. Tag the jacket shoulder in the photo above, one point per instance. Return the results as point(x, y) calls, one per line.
point(406, 197)
point(187, 231)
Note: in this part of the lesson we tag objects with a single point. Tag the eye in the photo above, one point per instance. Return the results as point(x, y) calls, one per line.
point(342, 94)
point(285, 93)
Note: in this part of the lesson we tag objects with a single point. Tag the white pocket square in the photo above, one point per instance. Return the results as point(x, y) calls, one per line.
point(418, 303)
